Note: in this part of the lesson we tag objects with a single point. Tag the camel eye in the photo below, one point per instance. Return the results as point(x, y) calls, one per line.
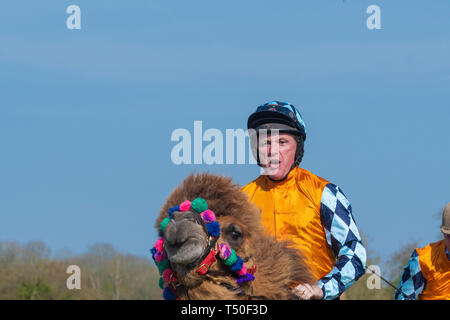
point(233, 235)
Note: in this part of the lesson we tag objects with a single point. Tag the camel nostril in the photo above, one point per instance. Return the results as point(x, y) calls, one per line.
point(178, 232)
point(170, 233)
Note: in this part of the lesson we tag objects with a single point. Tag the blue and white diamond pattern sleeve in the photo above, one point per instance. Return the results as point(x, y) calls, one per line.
point(412, 281)
point(345, 242)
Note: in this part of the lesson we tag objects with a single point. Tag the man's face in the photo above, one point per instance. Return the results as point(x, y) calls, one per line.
point(277, 154)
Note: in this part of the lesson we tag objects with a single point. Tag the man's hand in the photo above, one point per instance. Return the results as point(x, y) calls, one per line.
point(308, 292)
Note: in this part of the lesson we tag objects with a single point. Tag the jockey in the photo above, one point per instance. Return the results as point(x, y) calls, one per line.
point(299, 206)
point(427, 275)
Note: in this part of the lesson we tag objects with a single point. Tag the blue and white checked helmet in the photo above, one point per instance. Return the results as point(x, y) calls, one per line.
point(280, 115)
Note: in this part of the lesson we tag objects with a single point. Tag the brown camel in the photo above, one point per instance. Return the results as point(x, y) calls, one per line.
point(275, 265)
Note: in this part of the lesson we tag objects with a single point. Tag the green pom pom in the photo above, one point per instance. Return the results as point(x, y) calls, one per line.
point(231, 259)
point(163, 224)
point(161, 283)
point(199, 205)
point(163, 265)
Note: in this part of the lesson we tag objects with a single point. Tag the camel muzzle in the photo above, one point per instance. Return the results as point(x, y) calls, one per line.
point(185, 241)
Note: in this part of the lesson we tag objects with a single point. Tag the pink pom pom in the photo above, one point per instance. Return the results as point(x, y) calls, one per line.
point(166, 275)
point(169, 276)
point(208, 216)
point(225, 251)
point(243, 271)
point(160, 255)
point(159, 244)
point(185, 206)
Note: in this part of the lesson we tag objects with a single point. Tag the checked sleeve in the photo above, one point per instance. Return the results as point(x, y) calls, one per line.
point(412, 281)
point(344, 240)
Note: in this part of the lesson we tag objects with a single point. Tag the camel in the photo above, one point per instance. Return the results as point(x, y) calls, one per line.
point(272, 267)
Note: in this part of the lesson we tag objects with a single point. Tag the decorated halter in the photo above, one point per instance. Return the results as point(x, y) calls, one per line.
point(226, 254)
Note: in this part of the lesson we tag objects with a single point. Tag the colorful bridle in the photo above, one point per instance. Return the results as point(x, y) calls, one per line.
point(168, 279)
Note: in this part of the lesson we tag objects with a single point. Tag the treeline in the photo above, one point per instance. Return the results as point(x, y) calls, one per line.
point(29, 272)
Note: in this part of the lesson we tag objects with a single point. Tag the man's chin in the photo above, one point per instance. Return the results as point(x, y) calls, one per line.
point(276, 177)
point(274, 173)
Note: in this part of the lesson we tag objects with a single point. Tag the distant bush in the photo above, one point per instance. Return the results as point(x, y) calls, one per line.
point(28, 272)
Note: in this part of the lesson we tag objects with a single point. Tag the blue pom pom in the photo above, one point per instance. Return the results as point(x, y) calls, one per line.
point(172, 210)
point(245, 278)
point(168, 294)
point(237, 265)
point(213, 228)
point(153, 252)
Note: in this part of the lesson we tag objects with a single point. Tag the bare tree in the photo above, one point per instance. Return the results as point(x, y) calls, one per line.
point(116, 279)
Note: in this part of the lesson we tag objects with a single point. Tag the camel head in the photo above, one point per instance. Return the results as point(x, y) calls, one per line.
point(210, 239)
point(185, 238)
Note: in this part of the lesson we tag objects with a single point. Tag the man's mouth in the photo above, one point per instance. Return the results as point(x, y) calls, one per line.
point(274, 162)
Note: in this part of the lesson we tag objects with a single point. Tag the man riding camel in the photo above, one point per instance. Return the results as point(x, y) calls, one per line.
point(299, 206)
point(427, 275)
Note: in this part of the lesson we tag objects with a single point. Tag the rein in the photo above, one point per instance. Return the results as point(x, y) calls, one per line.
point(230, 287)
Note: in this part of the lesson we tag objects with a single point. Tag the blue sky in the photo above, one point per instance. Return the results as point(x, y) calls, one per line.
point(86, 115)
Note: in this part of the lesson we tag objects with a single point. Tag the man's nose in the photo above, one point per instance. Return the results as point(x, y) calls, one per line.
point(272, 150)
point(268, 150)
